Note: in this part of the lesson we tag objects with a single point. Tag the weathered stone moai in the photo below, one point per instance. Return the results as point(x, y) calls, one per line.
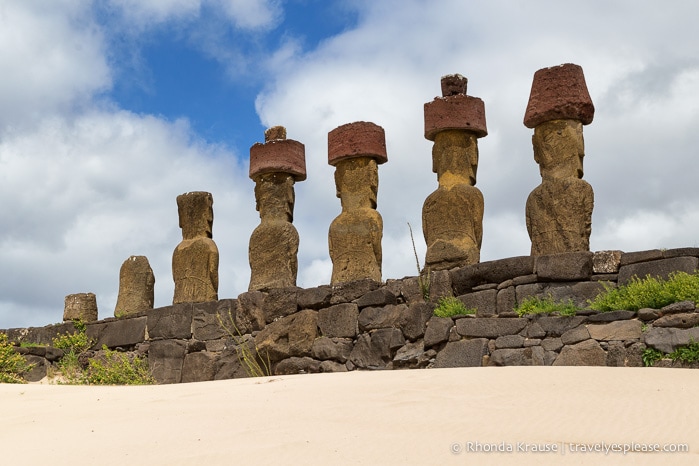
point(452, 216)
point(195, 259)
point(274, 244)
point(80, 306)
point(136, 287)
point(559, 210)
point(356, 150)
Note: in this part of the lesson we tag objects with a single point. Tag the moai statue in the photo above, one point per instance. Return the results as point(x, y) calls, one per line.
point(274, 244)
point(356, 150)
point(195, 260)
point(80, 306)
point(136, 287)
point(559, 210)
point(452, 216)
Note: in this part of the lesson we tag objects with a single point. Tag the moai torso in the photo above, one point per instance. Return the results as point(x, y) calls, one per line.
point(136, 287)
point(559, 210)
point(452, 216)
point(354, 237)
point(274, 244)
point(195, 259)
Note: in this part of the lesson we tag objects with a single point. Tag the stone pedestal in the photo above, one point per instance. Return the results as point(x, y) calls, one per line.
point(356, 150)
point(136, 287)
point(80, 306)
point(559, 210)
point(452, 216)
point(275, 166)
point(195, 259)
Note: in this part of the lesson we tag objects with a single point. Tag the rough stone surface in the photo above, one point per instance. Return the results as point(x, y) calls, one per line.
point(358, 139)
point(611, 316)
point(647, 314)
point(207, 319)
point(552, 344)
point(249, 313)
point(509, 341)
point(511, 357)
point(380, 297)
point(575, 335)
point(80, 306)
point(297, 365)
point(410, 356)
point(289, 336)
point(279, 302)
point(640, 256)
point(136, 287)
point(340, 320)
point(39, 368)
point(677, 252)
point(484, 302)
point(606, 261)
point(278, 155)
point(325, 348)
point(455, 113)
point(332, 366)
point(199, 367)
point(675, 308)
point(557, 326)
point(559, 93)
point(489, 328)
point(463, 353)
point(413, 319)
point(464, 279)
point(195, 259)
point(363, 354)
point(505, 300)
point(314, 298)
point(661, 268)
point(437, 331)
point(355, 235)
point(122, 332)
point(170, 322)
point(385, 340)
point(381, 317)
point(165, 359)
point(440, 285)
point(349, 291)
point(619, 330)
point(565, 266)
point(585, 353)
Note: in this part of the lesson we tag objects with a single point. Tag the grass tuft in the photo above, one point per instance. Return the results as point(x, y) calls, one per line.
point(450, 306)
point(546, 305)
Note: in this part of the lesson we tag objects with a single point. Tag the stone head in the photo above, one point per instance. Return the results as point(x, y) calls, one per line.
point(357, 182)
point(559, 148)
point(274, 196)
point(455, 157)
point(196, 214)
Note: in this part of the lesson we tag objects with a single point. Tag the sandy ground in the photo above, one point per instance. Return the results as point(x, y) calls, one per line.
point(424, 417)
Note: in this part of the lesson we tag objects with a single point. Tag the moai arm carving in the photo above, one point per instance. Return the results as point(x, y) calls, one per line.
point(452, 216)
point(354, 238)
point(559, 210)
point(275, 166)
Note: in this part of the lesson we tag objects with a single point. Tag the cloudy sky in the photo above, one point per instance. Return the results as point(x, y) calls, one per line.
point(109, 109)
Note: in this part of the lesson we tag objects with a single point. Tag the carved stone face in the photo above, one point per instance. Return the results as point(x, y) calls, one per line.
point(274, 196)
point(559, 149)
point(196, 214)
point(357, 182)
point(455, 157)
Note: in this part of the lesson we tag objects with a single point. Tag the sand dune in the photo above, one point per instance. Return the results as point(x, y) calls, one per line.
point(392, 417)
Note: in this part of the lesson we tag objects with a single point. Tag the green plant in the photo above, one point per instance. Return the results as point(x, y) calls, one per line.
point(687, 354)
point(450, 306)
point(12, 364)
point(649, 292)
point(545, 305)
point(76, 342)
point(651, 355)
point(423, 278)
point(247, 352)
point(117, 368)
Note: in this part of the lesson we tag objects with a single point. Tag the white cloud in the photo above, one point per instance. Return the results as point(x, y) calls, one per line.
point(251, 14)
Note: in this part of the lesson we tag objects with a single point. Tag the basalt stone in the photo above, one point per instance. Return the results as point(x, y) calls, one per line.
point(39, 335)
point(437, 331)
point(39, 368)
point(289, 336)
point(557, 326)
point(166, 358)
point(364, 355)
point(208, 319)
point(413, 320)
point(678, 252)
point(381, 317)
point(676, 308)
point(462, 353)
point(249, 312)
point(506, 300)
point(332, 366)
point(194, 346)
point(340, 320)
point(568, 266)
point(199, 367)
point(229, 365)
point(279, 302)
point(532, 342)
point(296, 365)
point(534, 330)
point(619, 330)
point(484, 302)
point(376, 298)
point(410, 290)
point(440, 285)
point(683, 320)
point(325, 348)
point(611, 316)
point(628, 258)
point(410, 356)
point(620, 356)
point(552, 344)
point(575, 335)
point(386, 340)
point(314, 298)
point(511, 357)
point(606, 261)
point(509, 341)
point(122, 332)
point(465, 278)
point(170, 322)
point(489, 328)
point(647, 314)
point(658, 268)
point(585, 353)
point(525, 279)
point(349, 291)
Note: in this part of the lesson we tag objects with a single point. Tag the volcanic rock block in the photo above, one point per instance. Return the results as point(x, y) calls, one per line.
point(354, 238)
point(195, 259)
point(80, 306)
point(136, 287)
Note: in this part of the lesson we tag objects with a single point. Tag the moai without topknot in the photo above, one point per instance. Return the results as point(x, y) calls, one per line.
point(274, 244)
point(452, 216)
point(80, 306)
point(559, 210)
point(136, 287)
point(195, 260)
point(356, 150)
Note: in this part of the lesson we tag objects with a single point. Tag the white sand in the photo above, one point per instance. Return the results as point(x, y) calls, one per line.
point(391, 417)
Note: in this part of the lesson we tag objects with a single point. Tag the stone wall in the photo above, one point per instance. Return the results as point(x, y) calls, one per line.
point(365, 325)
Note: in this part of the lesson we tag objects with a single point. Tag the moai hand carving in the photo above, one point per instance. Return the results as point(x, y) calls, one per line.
point(559, 210)
point(274, 244)
point(136, 287)
point(355, 150)
point(195, 260)
point(452, 216)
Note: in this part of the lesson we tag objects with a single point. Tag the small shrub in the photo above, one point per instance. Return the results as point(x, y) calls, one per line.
point(648, 292)
point(12, 364)
point(651, 355)
point(546, 305)
point(116, 368)
point(450, 307)
point(687, 354)
point(248, 355)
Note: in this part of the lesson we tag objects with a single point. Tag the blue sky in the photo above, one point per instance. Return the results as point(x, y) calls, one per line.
point(109, 109)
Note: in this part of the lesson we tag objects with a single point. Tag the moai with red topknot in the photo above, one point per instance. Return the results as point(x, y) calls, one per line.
point(274, 167)
point(559, 210)
point(356, 150)
point(452, 216)
point(195, 260)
